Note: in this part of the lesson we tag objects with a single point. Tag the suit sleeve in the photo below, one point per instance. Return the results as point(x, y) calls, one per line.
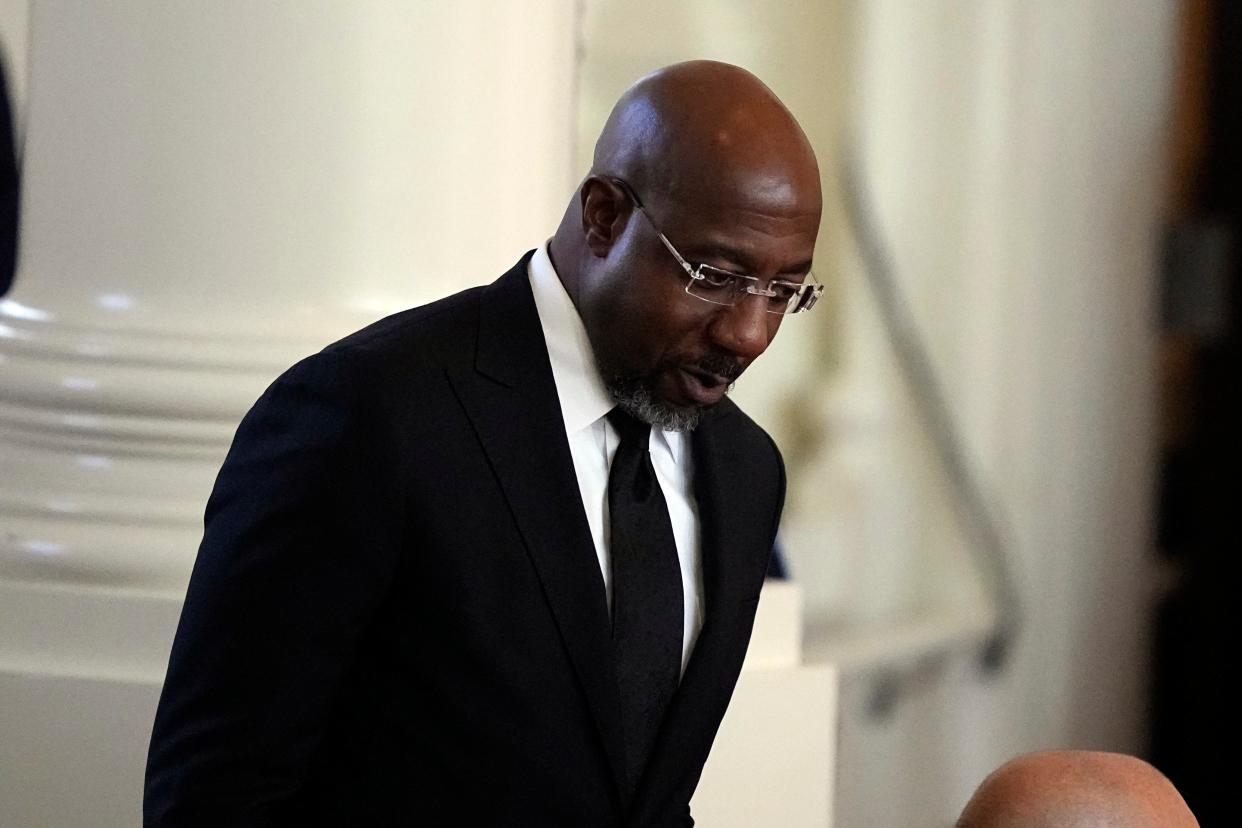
point(300, 545)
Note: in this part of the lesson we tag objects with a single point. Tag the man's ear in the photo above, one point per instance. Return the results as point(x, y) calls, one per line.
point(605, 211)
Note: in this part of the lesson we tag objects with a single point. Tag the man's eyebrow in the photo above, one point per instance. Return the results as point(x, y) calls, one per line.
point(714, 252)
point(800, 269)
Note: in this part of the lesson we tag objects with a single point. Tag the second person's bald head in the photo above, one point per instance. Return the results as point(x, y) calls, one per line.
point(1076, 789)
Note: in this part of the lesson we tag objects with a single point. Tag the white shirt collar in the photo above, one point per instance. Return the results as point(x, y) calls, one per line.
point(584, 399)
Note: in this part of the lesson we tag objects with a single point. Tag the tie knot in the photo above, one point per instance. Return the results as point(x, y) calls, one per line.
point(628, 426)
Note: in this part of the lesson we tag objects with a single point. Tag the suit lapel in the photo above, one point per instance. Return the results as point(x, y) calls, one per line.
point(510, 397)
point(734, 530)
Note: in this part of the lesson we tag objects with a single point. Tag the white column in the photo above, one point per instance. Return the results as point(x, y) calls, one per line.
point(212, 190)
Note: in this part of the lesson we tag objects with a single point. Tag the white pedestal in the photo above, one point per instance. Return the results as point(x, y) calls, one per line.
point(80, 674)
point(73, 749)
point(773, 760)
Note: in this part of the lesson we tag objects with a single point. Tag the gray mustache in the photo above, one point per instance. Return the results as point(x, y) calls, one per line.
point(720, 365)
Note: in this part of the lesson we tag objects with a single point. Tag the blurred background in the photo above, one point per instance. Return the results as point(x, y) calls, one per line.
point(1009, 425)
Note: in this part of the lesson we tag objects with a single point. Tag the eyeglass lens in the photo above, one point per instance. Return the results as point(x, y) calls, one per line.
point(723, 288)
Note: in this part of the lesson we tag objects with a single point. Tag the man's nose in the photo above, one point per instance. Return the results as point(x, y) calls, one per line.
point(742, 328)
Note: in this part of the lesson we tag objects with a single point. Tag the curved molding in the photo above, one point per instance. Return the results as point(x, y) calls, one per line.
point(84, 432)
point(96, 553)
point(110, 440)
point(94, 507)
point(127, 393)
point(37, 333)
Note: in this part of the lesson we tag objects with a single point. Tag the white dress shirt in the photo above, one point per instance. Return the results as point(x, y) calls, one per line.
point(593, 442)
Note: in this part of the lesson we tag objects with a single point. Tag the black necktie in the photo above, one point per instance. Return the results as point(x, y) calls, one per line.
point(646, 592)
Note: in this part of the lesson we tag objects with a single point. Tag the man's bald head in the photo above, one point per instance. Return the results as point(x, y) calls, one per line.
point(700, 158)
point(1076, 789)
point(704, 129)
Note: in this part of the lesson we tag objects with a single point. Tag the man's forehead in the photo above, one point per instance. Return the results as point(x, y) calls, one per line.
point(758, 197)
point(763, 179)
point(708, 130)
point(767, 206)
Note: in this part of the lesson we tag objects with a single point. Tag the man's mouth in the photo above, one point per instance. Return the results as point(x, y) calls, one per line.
point(701, 387)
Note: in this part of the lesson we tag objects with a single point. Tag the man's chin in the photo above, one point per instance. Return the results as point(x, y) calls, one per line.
point(641, 401)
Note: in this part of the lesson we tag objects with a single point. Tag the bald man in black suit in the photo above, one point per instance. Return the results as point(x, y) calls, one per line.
point(495, 560)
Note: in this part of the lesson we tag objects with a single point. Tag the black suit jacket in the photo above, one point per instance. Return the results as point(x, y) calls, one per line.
point(397, 616)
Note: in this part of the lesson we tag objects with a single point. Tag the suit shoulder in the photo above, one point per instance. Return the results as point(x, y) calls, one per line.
point(746, 434)
point(444, 333)
point(450, 320)
point(756, 450)
point(365, 367)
